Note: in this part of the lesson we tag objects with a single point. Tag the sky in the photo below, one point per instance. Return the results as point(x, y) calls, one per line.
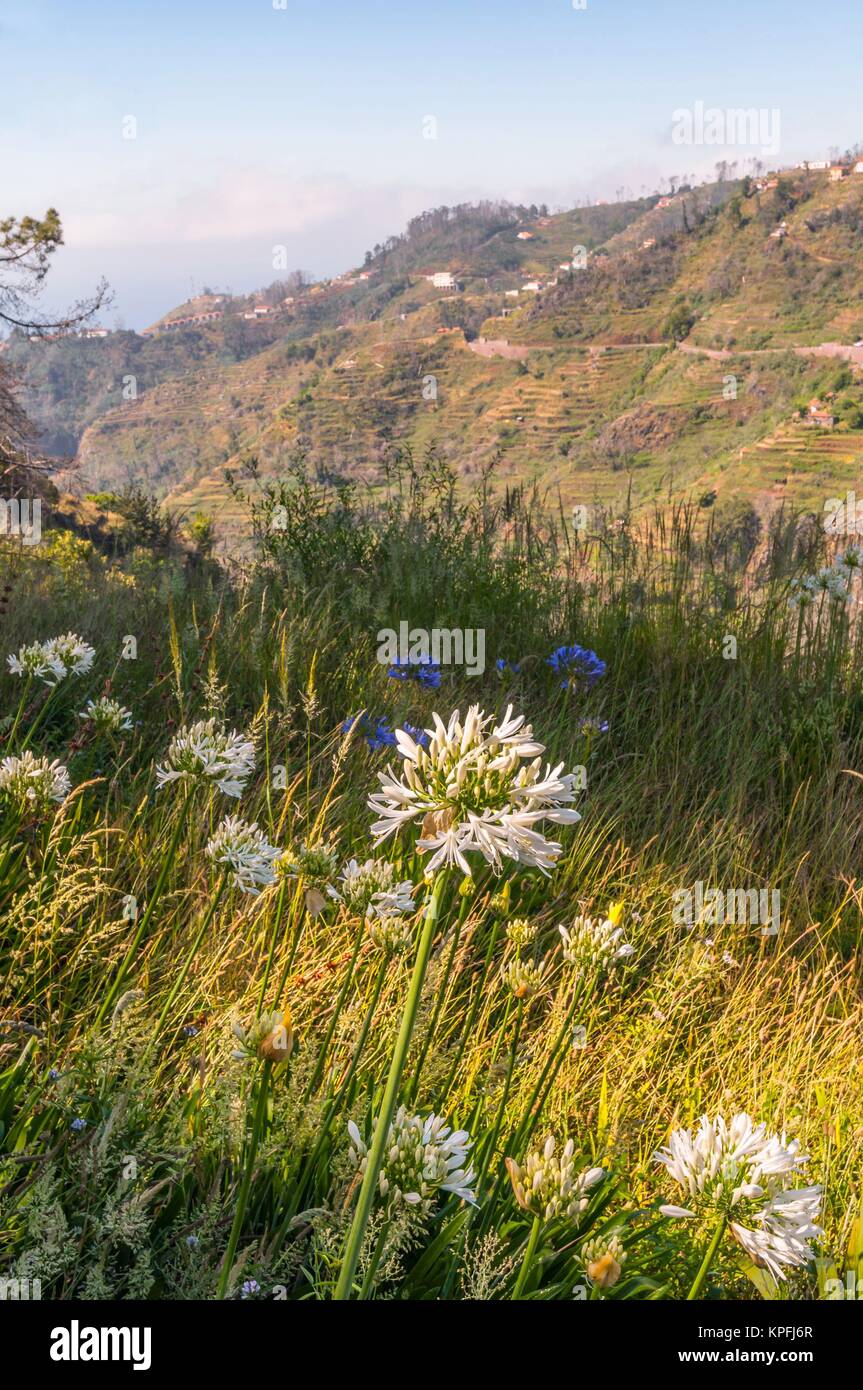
point(183, 140)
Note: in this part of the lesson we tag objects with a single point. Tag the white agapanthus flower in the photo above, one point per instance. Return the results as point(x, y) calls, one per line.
point(525, 978)
point(478, 787)
point(108, 716)
point(31, 784)
point(833, 580)
point(370, 890)
point(547, 1184)
point(245, 850)
point(423, 1157)
point(390, 933)
point(71, 654)
point(741, 1172)
point(34, 659)
point(592, 944)
point(206, 753)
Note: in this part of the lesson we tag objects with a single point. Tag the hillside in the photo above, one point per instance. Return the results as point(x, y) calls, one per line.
point(656, 346)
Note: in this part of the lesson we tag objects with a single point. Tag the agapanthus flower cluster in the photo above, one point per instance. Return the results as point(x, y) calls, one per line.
point(107, 716)
point(52, 661)
point(742, 1173)
point(423, 1158)
point(589, 727)
point(390, 933)
point(316, 863)
point(603, 1258)
point(422, 670)
point(29, 785)
point(594, 944)
point(371, 889)
point(578, 667)
point(205, 753)
point(547, 1183)
point(244, 850)
point(521, 932)
point(479, 788)
point(524, 978)
point(833, 580)
point(270, 1038)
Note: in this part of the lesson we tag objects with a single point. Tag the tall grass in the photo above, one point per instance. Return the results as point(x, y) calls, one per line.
point(196, 1175)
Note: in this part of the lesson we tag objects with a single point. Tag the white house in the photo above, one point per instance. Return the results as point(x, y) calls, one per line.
point(443, 280)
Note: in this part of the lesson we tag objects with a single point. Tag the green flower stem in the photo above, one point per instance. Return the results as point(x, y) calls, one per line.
point(529, 1253)
point(375, 1157)
point(167, 863)
point(243, 1198)
point(446, 981)
point(10, 737)
point(712, 1248)
point(40, 714)
point(491, 1145)
point(467, 1031)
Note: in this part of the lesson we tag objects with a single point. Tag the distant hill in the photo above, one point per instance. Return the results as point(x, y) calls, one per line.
point(656, 346)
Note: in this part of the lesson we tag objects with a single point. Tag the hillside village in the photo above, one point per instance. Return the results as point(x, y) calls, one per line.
point(703, 339)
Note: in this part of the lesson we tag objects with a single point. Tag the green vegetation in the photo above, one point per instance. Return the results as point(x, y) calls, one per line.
point(180, 1060)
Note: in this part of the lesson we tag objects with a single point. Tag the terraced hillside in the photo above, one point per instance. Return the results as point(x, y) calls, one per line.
point(638, 349)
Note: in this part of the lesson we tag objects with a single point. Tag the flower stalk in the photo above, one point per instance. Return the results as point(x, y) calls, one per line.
point(369, 1185)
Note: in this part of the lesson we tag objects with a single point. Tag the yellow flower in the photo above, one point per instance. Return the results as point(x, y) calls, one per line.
point(615, 912)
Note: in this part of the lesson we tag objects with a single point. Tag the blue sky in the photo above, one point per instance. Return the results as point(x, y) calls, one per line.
point(303, 126)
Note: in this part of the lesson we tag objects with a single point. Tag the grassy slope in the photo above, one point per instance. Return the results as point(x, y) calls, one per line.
point(673, 797)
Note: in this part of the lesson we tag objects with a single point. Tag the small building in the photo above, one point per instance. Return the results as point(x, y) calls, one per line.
point(511, 294)
point(837, 172)
point(443, 280)
point(532, 286)
point(821, 414)
point(664, 203)
point(648, 242)
point(525, 236)
point(858, 167)
point(95, 332)
point(260, 310)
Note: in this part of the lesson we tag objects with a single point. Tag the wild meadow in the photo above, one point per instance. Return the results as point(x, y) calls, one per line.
point(570, 1011)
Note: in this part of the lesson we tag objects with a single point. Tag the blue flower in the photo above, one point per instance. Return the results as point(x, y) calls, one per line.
point(502, 665)
point(377, 733)
point(419, 736)
point(192, 1242)
point(250, 1286)
point(53, 1074)
point(577, 665)
point(78, 1125)
point(425, 671)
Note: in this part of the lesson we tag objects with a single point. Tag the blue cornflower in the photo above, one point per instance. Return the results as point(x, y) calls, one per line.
point(419, 736)
point(77, 1125)
point(53, 1074)
point(578, 665)
point(502, 665)
point(250, 1286)
point(423, 670)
